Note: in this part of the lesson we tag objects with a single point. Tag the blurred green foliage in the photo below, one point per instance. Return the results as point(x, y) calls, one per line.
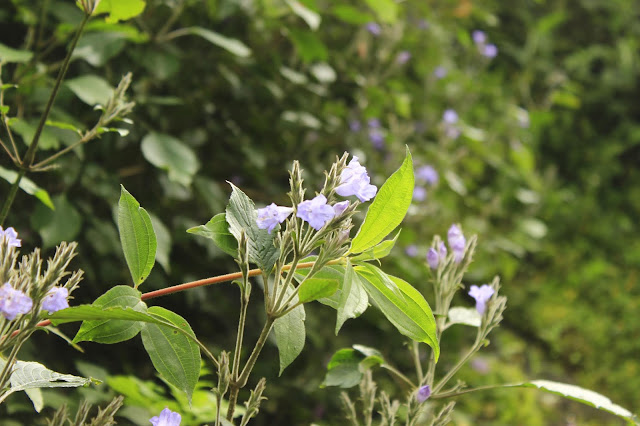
point(545, 169)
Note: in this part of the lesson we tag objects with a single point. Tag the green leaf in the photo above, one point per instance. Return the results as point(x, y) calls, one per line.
point(290, 335)
point(353, 298)
point(120, 10)
point(582, 395)
point(217, 229)
point(316, 288)
point(27, 130)
point(136, 236)
point(97, 48)
point(387, 10)
point(110, 330)
point(97, 313)
point(378, 251)
point(343, 369)
point(309, 46)
point(170, 154)
point(242, 216)
point(466, 316)
point(91, 89)
point(388, 208)
point(309, 16)
point(163, 237)
point(61, 224)
point(410, 314)
point(7, 55)
point(174, 355)
point(28, 186)
point(232, 45)
point(351, 15)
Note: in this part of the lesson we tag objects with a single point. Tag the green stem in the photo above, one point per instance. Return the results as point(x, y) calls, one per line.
point(399, 375)
point(11, 196)
point(457, 367)
point(31, 152)
point(416, 360)
point(462, 392)
point(241, 323)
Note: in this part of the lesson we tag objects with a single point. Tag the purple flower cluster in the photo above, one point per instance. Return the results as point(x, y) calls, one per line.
point(376, 135)
point(55, 300)
point(423, 394)
point(13, 302)
point(487, 50)
point(11, 236)
point(424, 175)
point(449, 123)
point(434, 257)
point(457, 242)
point(269, 217)
point(354, 180)
point(482, 295)
point(166, 418)
point(316, 211)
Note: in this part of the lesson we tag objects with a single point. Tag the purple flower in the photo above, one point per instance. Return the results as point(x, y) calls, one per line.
point(354, 125)
point(442, 250)
point(457, 242)
point(316, 211)
point(423, 394)
point(427, 174)
point(452, 132)
point(13, 302)
point(374, 28)
point(269, 217)
point(450, 116)
point(339, 208)
point(377, 138)
point(419, 193)
point(423, 24)
point(490, 51)
point(481, 365)
point(403, 57)
point(373, 123)
point(354, 180)
point(440, 72)
point(411, 250)
point(433, 258)
point(55, 300)
point(11, 235)
point(479, 37)
point(482, 294)
point(166, 418)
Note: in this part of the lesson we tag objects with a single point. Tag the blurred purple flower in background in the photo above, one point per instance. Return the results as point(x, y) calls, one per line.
point(377, 138)
point(423, 24)
point(450, 116)
point(166, 418)
point(427, 174)
point(374, 28)
point(490, 51)
point(11, 236)
point(440, 72)
point(55, 300)
point(423, 393)
point(482, 294)
point(354, 125)
point(269, 217)
point(457, 242)
point(403, 57)
point(479, 37)
point(13, 302)
point(373, 123)
point(411, 250)
point(419, 193)
point(481, 365)
point(316, 211)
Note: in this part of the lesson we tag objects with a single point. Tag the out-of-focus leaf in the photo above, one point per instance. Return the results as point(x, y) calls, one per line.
point(8, 55)
point(120, 10)
point(309, 46)
point(28, 186)
point(387, 10)
point(351, 15)
point(97, 48)
point(232, 45)
point(91, 89)
point(170, 154)
point(27, 130)
point(61, 224)
point(309, 16)
point(163, 238)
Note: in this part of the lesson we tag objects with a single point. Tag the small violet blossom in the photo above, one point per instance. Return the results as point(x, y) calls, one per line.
point(490, 51)
point(377, 138)
point(423, 394)
point(316, 211)
point(354, 180)
point(450, 116)
point(11, 235)
point(55, 300)
point(373, 123)
point(269, 217)
point(457, 242)
point(440, 72)
point(374, 28)
point(419, 193)
point(479, 37)
point(427, 174)
point(442, 250)
point(403, 57)
point(166, 418)
point(433, 259)
point(482, 294)
point(339, 208)
point(411, 250)
point(13, 302)
point(354, 126)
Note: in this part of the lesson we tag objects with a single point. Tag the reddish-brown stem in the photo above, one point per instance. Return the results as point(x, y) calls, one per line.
point(193, 284)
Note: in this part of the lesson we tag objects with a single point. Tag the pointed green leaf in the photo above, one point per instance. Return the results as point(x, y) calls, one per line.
point(120, 10)
point(290, 335)
point(242, 216)
point(388, 208)
point(378, 251)
point(343, 369)
point(7, 54)
point(28, 186)
point(175, 356)
point(411, 315)
point(217, 229)
point(91, 89)
point(316, 288)
point(97, 313)
point(112, 331)
point(136, 236)
point(171, 154)
point(309, 16)
point(353, 298)
point(232, 45)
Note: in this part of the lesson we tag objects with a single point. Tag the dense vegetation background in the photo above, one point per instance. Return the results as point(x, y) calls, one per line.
point(542, 163)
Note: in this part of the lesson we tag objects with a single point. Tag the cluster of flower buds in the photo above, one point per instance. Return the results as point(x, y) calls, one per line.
point(166, 418)
point(438, 252)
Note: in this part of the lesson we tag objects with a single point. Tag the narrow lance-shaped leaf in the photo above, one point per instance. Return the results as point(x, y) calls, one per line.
point(174, 355)
point(136, 236)
point(290, 335)
point(388, 208)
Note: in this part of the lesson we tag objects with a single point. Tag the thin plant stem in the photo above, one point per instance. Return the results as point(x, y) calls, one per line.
point(399, 375)
point(462, 392)
point(416, 360)
point(10, 197)
point(241, 323)
point(278, 303)
point(457, 367)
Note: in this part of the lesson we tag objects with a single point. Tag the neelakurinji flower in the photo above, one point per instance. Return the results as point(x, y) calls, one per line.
point(377, 138)
point(442, 250)
point(433, 259)
point(450, 116)
point(354, 180)
point(440, 72)
point(166, 418)
point(354, 125)
point(411, 250)
point(269, 217)
point(11, 235)
point(419, 193)
point(490, 51)
point(482, 294)
point(423, 393)
point(457, 242)
point(479, 37)
point(55, 300)
point(316, 211)
point(373, 123)
point(427, 174)
point(403, 57)
point(339, 208)
point(374, 28)
point(13, 302)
